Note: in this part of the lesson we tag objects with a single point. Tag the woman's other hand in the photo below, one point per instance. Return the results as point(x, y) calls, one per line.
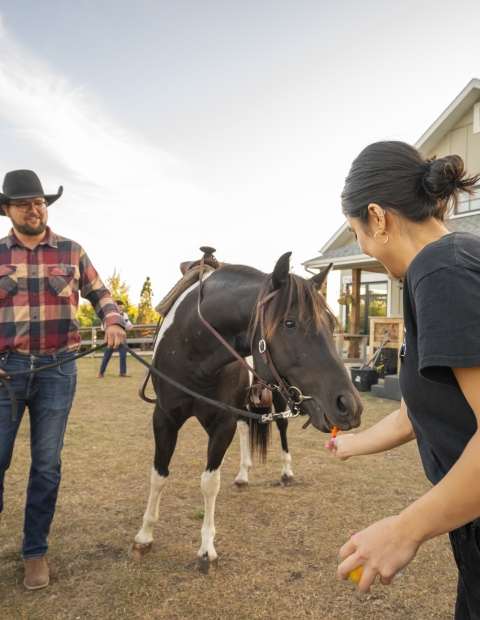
point(384, 549)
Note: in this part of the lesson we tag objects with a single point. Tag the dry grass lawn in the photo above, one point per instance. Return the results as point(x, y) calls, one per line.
point(277, 547)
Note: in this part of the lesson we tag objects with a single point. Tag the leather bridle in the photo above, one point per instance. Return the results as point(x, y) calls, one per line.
point(292, 394)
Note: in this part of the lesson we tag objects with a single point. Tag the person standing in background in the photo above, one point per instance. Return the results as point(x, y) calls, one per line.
point(107, 354)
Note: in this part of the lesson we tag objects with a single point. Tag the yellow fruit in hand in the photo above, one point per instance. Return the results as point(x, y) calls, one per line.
point(356, 574)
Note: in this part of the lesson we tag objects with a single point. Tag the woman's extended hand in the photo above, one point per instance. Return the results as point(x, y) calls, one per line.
point(384, 549)
point(391, 432)
point(339, 446)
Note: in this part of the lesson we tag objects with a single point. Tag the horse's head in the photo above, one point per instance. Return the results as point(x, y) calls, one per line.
point(299, 335)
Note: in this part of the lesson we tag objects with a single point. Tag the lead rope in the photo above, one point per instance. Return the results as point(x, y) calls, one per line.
point(148, 373)
point(6, 384)
point(262, 418)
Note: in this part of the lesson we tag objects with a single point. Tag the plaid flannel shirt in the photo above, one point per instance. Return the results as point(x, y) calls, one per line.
point(39, 295)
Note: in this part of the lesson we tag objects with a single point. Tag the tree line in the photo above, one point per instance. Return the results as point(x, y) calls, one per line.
point(140, 314)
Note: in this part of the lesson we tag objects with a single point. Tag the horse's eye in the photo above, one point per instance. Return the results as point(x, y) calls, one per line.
point(289, 324)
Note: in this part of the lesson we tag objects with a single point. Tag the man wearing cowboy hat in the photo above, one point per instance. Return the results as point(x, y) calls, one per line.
point(41, 276)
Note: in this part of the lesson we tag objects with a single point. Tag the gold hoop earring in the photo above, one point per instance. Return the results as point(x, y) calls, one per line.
point(383, 233)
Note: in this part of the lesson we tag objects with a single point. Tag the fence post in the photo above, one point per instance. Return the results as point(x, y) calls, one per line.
point(94, 338)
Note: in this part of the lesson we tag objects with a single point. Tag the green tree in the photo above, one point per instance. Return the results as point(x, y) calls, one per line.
point(118, 288)
point(86, 316)
point(146, 313)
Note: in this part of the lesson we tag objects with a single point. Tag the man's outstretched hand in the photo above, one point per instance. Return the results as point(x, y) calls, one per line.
point(115, 336)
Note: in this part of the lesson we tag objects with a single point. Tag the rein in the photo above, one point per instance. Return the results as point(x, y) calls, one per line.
point(220, 338)
point(291, 394)
point(262, 418)
point(6, 384)
point(288, 391)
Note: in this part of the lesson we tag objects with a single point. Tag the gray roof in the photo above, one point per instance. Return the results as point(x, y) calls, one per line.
point(352, 249)
point(465, 223)
point(468, 223)
point(338, 257)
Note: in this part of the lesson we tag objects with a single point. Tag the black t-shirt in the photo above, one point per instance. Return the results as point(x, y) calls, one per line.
point(442, 331)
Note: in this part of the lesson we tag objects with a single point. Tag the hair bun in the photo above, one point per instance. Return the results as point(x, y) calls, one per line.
point(397, 176)
point(444, 177)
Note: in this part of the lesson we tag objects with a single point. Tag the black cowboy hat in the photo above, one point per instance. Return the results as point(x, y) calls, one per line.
point(20, 184)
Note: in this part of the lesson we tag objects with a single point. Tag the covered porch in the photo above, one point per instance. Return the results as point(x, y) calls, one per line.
point(361, 291)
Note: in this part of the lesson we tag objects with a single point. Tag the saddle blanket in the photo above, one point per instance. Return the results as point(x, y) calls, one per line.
point(171, 297)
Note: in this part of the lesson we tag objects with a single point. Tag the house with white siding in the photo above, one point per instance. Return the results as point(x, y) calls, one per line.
point(455, 132)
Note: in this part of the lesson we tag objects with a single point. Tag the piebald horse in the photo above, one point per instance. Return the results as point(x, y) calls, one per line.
point(298, 330)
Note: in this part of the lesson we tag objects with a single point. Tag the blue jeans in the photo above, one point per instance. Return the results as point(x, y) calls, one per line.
point(48, 396)
point(107, 354)
point(466, 551)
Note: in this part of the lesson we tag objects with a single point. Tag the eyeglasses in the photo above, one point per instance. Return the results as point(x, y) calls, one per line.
point(24, 207)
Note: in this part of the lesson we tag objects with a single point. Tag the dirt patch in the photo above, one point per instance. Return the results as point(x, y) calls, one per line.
point(277, 546)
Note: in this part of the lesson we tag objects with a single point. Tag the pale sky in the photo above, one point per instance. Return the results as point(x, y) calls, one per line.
point(173, 125)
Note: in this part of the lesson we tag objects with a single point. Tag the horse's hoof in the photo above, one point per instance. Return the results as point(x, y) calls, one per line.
point(140, 551)
point(287, 481)
point(206, 566)
point(240, 485)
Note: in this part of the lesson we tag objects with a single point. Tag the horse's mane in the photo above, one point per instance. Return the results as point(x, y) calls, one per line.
point(295, 290)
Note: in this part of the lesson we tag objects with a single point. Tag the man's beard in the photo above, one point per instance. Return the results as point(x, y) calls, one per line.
point(26, 229)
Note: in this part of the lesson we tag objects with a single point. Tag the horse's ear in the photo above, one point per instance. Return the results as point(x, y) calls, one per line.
point(319, 278)
point(281, 271)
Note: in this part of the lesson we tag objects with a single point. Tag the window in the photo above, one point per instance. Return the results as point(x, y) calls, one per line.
point(469, 203)
point(373, 297)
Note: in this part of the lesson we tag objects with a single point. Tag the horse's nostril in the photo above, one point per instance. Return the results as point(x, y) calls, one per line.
point(342, 405)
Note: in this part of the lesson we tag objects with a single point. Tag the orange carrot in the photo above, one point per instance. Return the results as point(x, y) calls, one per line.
point(334, 432)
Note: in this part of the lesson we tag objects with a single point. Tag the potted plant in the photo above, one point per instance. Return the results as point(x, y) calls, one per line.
point(345, 299)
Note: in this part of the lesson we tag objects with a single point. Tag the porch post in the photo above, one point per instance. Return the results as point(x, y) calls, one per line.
point(323, 288)
point(353, 349)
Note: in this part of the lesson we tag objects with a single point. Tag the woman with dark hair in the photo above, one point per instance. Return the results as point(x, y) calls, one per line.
point(395, 201)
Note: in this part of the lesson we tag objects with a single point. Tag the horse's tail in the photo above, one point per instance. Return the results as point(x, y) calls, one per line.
point(260, 435)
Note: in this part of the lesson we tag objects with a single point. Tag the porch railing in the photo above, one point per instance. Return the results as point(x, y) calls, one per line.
point(346, 339)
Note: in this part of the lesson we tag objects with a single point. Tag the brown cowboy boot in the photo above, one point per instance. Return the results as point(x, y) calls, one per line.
point(36, 573)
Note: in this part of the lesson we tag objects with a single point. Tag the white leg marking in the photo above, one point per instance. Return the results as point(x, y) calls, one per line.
point(168, 320)
point(150, 518)
point(210, 484)
point(245, 460)
point(286, 460)
point(249, 361)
